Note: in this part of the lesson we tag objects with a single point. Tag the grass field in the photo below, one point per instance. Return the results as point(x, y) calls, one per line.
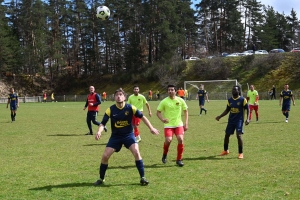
point(45, 155)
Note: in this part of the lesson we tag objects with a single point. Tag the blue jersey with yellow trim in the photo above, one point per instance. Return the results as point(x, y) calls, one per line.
point(286, 96)
point(13, 99)
point(121, 118)
point(201, 94)
point(236, 107)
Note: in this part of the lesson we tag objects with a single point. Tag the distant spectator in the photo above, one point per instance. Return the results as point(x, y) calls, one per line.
point(273, 92)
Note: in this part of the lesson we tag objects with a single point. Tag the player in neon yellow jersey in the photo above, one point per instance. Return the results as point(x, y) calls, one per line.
point(252, 98)
point(138, 100)
point(172, 107)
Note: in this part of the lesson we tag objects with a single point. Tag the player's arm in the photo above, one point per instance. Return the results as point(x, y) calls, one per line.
point(159, 115)
point(149, 109)
point(207, 97)
point(98, 100)
point(86, 104)
point(102, 124)
point(293, 99)
point(280, 100)
point(256, 99)
point(186, 117)
point(246, 107)
point(226, 111)
point(8, 102)
point(149, 125)
point(17, 100)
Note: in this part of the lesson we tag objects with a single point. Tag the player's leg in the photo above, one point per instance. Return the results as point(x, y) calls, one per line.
point(94, 118)
point(134, 148)
point(239, 132)
point(256, 112)
point(136, 122)
point(168, 139)
point(12, 115)
point(229, 131)
point(179, 132)
point(251, 107)
point(88, 122)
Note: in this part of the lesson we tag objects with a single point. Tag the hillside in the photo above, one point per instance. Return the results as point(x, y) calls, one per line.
point(260, 70)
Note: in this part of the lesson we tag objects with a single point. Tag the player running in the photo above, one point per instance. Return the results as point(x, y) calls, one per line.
point(13, 101)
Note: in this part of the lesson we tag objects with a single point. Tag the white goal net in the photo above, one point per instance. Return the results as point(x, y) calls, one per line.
point(216, 89)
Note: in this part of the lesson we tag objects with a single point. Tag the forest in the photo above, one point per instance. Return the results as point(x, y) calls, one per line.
point(53, 38)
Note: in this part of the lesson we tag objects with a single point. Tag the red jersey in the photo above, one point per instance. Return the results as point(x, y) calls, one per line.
point(92, 99)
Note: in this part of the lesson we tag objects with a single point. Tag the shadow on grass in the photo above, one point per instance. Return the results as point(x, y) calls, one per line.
point(65, 135)
point(146, 166)
point(74, 185)
point(89, 145)
point(214, 157)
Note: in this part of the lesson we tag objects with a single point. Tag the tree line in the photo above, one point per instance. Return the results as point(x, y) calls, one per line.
point(57, 37)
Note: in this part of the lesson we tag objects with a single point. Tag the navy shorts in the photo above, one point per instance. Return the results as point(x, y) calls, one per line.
point(286, 106)
point(13, 107)
point(116, 142)
point(201, 102)
point(231, 127)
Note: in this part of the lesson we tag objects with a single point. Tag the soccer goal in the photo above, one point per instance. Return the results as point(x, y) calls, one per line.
point(216, 89)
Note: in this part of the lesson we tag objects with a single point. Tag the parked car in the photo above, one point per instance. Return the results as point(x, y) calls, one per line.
point(261, 52)
point(277, 51)
point(296, 49)
point(192, 58)
point(235, 55)
point(248, 52)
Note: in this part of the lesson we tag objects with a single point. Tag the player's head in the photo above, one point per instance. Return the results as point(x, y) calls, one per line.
point(251, 87)
point(201, 87)
point(12, 90)
point(286, 86)
point(136, 89)
point(120, 95)
point(172, 90)
point(92, 89)
point(236, 91)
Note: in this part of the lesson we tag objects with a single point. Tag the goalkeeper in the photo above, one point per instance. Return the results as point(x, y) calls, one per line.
point(252, 98)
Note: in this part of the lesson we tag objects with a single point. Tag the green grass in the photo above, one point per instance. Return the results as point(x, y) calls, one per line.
point(45, 155)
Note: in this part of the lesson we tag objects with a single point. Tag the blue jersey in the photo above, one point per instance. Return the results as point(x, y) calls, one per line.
point(237, 107)
point(286, 96)
point(121, 119)
point(201, 94)
point(13, 99)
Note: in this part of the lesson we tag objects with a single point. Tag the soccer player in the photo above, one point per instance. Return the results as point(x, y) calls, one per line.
point(286, 96)
point(121, 115)
point(180, 93)
point(13, 101)
point(138, 100)
point(52, 97)
point(172, 107)
point(236, 105)
point(104, 96)
point(150, 95)
point(202, 94)
point(92, 103)
point(45, 97)
point(273, 92)
point(252, 98)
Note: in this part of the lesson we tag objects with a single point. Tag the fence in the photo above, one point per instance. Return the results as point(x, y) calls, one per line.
point(192, 96)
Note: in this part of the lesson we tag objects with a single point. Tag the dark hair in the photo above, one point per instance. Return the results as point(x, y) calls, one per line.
point(136, 86)
point(171, 85)
point(120, 90)
point(239, 88)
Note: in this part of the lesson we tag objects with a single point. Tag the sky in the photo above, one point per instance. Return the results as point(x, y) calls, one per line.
point(278, 5)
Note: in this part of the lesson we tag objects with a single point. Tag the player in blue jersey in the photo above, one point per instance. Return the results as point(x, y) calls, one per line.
point(13, 103)
point(236, 105)
point(201, 95)
point(121, 115)
point(286, 96)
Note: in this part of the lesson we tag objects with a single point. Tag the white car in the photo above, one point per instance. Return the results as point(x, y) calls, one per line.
point(234, 55)
point(248, 52)
point(192, 58)
point(261, 52)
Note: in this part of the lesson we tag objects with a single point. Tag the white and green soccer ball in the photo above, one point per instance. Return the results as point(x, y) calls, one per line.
point(102, 12)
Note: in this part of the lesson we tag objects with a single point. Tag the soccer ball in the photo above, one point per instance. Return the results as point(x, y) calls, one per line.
point(103, 12)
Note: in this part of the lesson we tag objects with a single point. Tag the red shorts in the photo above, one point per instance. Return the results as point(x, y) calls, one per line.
point(253, 107)
point(136, 121)
point(169, 132)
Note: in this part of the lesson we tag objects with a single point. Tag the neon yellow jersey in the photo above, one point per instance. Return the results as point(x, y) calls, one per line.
point(252, 97)
point(171, 110)
point(138, 101)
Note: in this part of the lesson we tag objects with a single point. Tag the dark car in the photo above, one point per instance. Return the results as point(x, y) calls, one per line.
point(277, 51)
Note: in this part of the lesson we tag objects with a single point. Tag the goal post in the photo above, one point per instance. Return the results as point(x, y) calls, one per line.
point(216, 89)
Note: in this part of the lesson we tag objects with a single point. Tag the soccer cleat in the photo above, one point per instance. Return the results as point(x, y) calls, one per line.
point(105, 129)
point(144, 181)
point(89, 133)
point(164, 158)
point(138, 138)
point(286, 121)
point(205, 111)
point(179, 163)
point(241, 156)
point(224, 153)
point(257, 119)
point(99, 182)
